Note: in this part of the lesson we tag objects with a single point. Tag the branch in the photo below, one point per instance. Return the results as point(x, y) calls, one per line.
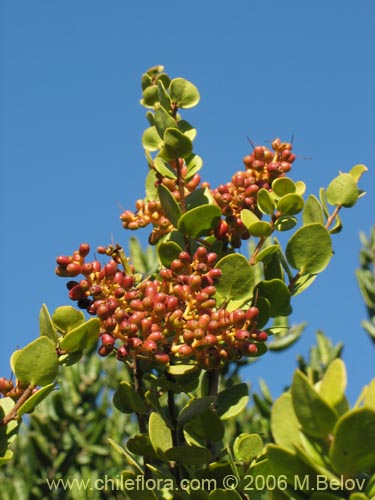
point(13, 414)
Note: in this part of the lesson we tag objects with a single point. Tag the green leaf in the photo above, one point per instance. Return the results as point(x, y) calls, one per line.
point(290, 204)
point(141, 445)
point(343, 191)
point(283, 186)
point(176, 145)
point(164, 168)
point(317, 418)
point(160, 435)
point(194, 407)
point(232, 401)
point(302, 283)
point(67, 318)
point(163, 120)
point(264, 307)
point(357, 171)
point(190, 455)
point(237, 279)
point(312, 211)
point(170, 206)
point(283, 341)
point(46, 326)
point(332, 386)
point(199, 221)
point(35, 399)
point(369, 399)
point(82, 337)
point(130, 460)
point(150, 96)
point(278, 295)
point(285, 222)
point(198, 197)
point(127, 400)
point(285, 463)
point(183, 93)
point(167, 252)
point(187, 129)
point(163, 96)
point(181, 370)
point(37, 363)
point(265, 202)
point(194, 163)
point(151, 189)
point(206, 426)
point(264, 255)
point(151, 140)
point(352, 450)
point(246, 447)
point(284, 423)
point(310, 249)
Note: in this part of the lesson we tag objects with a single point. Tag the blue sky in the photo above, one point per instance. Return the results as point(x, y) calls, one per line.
point(71, 125)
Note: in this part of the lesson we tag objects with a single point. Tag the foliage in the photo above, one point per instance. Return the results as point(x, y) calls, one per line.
point(180, 323)
point(366, 280)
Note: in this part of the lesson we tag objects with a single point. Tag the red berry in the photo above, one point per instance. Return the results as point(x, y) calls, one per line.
point(107, 340)
point(84, 249)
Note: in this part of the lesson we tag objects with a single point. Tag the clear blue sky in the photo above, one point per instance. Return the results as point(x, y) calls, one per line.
point(71, 125)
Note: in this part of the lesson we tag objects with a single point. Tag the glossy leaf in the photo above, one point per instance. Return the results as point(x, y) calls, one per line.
point(237, 279)
point(187, 129)
point(163, 120)
point(332, 386)
point(183, 93)
point(82, 337)
point(170, 206)
point(312, 211)
point(194, 407)
point(151, 140)
point(255, 226)
point(127, 400)
point(37, 363)
point(67, 318)
point(283, 186)
point(150, 96)
point(167, 252)
point(246, 447)
point(352, 450)
point(265, 202)
point(35, 399)
point(285, 222)
point(206, 426)
point(317, 418)
point(160, 435)
point(343, 190)
point(199, 221)
point(163, 96)
point(198, 197)
point(310, 249)
point(176, 145)
point(46, 325)
point(232, 401)
point(190, 455)
point(284, 423)
point(290, 204)
point(277, 294)
point(164, 168)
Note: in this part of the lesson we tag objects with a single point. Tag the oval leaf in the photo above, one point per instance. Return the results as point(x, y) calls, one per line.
point(183, 93)
point(194, 407)
point(357, 171)
point(283, 186)
point(310, 249)
point(176, 145)
point(290, 204)
point(83, 337)
point(284, 423)
point(164, 168)
point(46, 326)
point(312, 211)
point(265, 202)
point(285, 222)
point(170, 206)
point(237, 279)
point(35, 399)
point(37, 363)
point(278, 295)
point(66, 318)
point(206, 426)
point(160, 435)
point(343, 191)
point(246, 447)
point(151, 140)
point(352, 450)
point(190, 455)
point(127, 400)
point(199, 221)
point(333, 385)
point(232, 401)
point(167, 252)
point(316, 417)
point(163, 120)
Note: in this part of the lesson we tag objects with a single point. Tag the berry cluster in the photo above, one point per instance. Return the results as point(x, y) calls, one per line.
point(11, 390)
point(151, 212)
point(263, 166)
point(170, 318)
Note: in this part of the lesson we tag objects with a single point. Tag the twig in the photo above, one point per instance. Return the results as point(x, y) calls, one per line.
point(13, 414)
